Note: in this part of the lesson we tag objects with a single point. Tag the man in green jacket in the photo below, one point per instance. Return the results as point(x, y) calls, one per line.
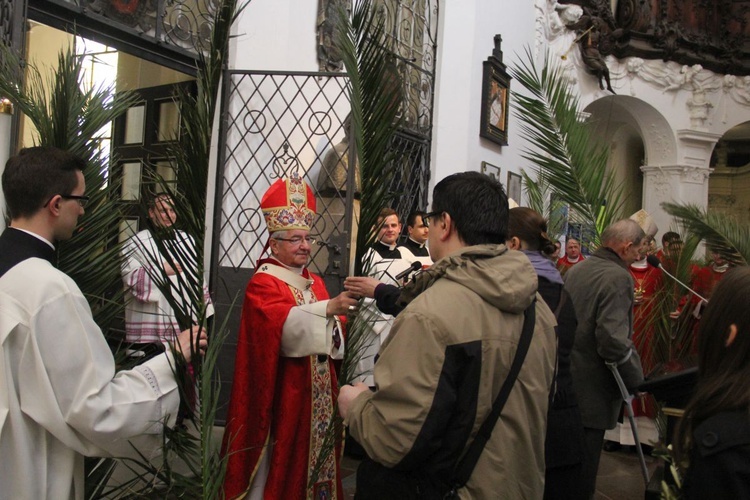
point(448, 354)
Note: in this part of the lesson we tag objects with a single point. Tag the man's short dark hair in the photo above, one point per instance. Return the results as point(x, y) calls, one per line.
point(477, 204)
point(670, 237)
point(37, 174)
point(411, 220)
point(385, 213)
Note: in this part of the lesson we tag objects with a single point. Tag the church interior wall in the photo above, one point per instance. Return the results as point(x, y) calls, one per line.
point(465, 41)
point(280, 35)
point(275, 35)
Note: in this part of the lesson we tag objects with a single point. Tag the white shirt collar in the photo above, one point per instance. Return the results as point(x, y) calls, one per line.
point(36, 236)
point(390, 247)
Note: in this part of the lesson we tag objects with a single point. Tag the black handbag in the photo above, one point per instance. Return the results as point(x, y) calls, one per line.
point(376, 481)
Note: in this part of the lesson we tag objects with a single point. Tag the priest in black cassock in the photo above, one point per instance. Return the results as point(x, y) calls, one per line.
point(416, 241)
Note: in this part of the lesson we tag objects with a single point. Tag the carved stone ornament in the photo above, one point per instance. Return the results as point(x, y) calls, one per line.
point(658, 179)
point(695, 175)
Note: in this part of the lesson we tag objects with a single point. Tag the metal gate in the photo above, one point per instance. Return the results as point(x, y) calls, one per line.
point(276, 123)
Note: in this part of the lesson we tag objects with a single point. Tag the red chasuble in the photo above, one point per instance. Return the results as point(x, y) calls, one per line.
point(286, 402)
point(647, 281)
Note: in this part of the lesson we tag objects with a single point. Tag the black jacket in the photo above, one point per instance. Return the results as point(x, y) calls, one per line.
point(720, 458)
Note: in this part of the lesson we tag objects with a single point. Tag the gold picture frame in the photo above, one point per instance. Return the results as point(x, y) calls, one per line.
point(495, 98)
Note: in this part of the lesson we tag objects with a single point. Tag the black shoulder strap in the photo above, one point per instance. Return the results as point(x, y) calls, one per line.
point(467, 463)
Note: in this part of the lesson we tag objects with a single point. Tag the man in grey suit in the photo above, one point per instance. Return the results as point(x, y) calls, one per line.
point(601, 289)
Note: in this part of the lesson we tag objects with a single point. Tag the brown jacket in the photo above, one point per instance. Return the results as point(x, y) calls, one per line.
point(443, 364)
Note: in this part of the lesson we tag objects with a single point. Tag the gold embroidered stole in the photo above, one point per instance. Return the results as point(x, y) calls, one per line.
point(321, 398)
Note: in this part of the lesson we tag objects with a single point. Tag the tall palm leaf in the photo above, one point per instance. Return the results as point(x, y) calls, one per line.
point(376, 97)
point(69, 117)
point(376, 100)
point(726, 234)
point(203, 469)
point(562, 150)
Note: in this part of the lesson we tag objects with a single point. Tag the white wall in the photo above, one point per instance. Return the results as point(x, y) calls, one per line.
point(465, 40)
point(275, 35)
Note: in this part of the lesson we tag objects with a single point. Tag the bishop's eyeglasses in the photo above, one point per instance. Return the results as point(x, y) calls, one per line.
point(297, 240)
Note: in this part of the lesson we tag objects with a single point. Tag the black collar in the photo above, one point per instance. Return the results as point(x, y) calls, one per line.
point(17, 246)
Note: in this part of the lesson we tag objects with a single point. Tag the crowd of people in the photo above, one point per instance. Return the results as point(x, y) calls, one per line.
point(490, 365)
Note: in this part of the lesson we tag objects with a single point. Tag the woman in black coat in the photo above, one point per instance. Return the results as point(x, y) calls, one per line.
point(714, 433)
point(527, 232)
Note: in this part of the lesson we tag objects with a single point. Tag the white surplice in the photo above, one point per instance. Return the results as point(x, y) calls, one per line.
point(60, 398)
point(148, 315)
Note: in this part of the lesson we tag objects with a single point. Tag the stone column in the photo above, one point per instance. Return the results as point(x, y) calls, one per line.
point(685, 182)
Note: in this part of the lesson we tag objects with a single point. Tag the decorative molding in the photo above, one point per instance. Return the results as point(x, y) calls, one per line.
point(658, 179)
point(662, 142)
point(695, 175)
point(665, 174)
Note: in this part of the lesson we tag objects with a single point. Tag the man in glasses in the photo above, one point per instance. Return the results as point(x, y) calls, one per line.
point(449, 352)
point(159, 265)
point(285, 385)
point(60, 398)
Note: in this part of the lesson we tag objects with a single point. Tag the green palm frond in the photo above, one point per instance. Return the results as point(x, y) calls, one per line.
point(197, 450)
point(375, 93)
point(726, 234)
point(69, 117)
point(376, 97)
point(564, 151)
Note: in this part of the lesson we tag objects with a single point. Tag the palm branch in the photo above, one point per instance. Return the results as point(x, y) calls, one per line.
point(374, 86)
point(563, 151)
point(203, 469)
point(69, 117)
point(727, 235)
point(376, 97)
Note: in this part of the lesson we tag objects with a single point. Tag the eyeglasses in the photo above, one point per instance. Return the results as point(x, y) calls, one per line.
point(82, 200)
point(297, 240)
point(426, 217)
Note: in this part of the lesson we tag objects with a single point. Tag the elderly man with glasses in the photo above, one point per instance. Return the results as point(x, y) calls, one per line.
point(285, 385)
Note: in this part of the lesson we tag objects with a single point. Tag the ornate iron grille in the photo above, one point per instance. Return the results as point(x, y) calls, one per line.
point(171, 32)
point(277, 124)
point(412, 28)
point(7, 25)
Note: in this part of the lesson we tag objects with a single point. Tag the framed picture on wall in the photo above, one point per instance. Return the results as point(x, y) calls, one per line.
point(491, 170)
point(514, 187)
point(495, 97)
